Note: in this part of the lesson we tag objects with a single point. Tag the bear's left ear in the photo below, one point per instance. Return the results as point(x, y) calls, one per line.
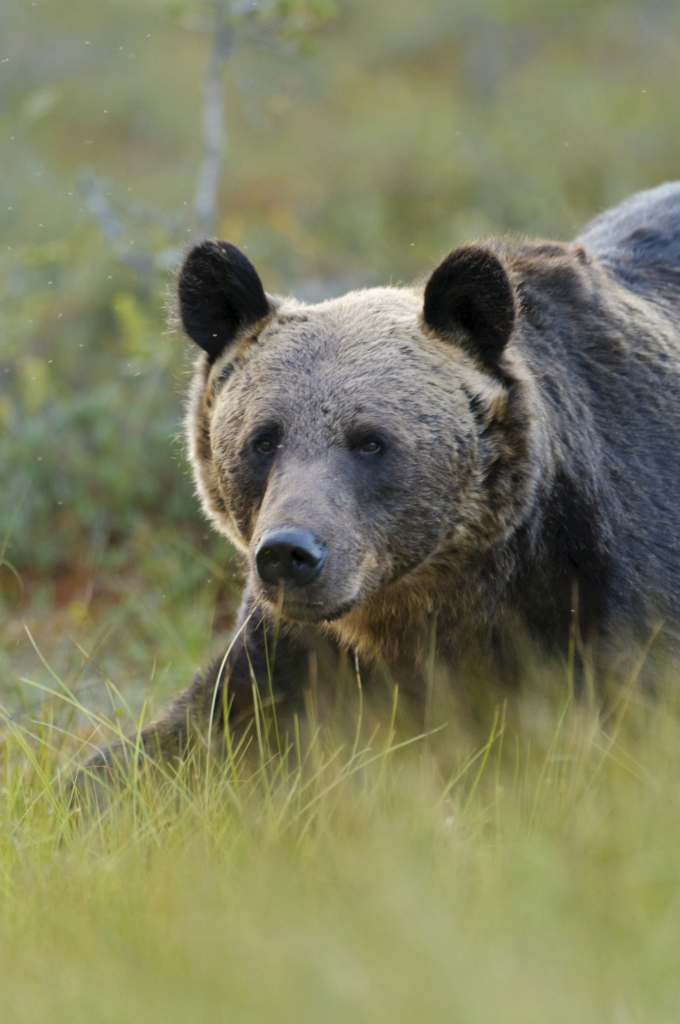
point(470, 296)
point(220, 294)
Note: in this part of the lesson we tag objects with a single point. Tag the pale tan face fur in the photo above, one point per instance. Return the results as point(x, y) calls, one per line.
point(321, 380)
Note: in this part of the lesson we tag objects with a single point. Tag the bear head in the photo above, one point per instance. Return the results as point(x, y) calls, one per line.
point(351, 445)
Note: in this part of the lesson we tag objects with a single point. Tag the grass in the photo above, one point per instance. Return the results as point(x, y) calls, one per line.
point(352, 872)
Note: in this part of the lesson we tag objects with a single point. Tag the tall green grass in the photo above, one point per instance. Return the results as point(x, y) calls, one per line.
point(351, 871)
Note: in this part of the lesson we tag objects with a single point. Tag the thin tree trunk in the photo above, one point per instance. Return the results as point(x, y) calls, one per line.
point(214, 134)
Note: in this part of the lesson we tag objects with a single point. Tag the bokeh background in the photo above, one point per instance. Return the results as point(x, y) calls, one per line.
point(364, 139)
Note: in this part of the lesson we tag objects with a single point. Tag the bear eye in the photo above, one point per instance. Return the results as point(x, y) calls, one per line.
point(370, 447)
point(265, 445)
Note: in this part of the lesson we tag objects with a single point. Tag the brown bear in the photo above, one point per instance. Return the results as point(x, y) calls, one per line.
point(438, 471)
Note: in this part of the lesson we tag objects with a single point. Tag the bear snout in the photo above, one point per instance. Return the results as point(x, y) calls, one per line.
point(289, 555)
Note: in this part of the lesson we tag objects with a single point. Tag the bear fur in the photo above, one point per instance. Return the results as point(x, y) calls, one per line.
point(482, 460)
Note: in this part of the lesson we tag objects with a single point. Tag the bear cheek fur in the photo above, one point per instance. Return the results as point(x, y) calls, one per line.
point(414, 506)
point(241, 482)
point(198, 420)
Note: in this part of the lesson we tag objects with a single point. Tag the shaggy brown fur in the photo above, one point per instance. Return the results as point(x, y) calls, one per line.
point(468, 456)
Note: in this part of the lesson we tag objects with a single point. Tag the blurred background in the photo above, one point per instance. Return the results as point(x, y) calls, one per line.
point(357, 142)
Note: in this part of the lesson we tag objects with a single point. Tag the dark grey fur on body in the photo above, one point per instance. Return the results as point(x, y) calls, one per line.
point(470, 457)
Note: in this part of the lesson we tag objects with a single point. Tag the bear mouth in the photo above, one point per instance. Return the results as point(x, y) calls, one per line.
point(315, 611)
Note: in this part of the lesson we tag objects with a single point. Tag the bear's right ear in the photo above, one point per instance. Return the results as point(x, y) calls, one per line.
point(219, 294)
point(470, 296)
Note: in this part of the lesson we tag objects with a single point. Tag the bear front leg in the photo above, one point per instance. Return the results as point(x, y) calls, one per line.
point(275, 660)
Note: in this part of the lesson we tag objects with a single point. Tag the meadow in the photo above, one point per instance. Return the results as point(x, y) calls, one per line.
point(516, 860)
point(330, 875)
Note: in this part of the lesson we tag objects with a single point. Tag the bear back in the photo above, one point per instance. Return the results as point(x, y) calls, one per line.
point(639, 240)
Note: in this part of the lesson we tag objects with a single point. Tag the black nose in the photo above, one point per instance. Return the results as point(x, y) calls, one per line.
point(290, 555)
